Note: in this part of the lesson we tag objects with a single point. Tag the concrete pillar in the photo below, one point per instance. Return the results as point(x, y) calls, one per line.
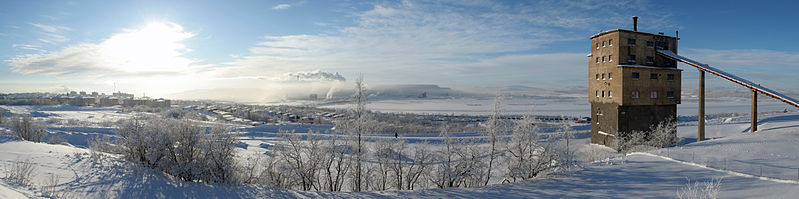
point(701, 116)
point(754, 112)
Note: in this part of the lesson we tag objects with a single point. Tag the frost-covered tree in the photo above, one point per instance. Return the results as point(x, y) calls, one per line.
point(336, 163)
point(522, 148)
point(303, 157)
point(493, 129)
point(359, 123)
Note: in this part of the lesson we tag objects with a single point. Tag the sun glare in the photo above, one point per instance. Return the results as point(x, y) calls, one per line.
point(154, 47)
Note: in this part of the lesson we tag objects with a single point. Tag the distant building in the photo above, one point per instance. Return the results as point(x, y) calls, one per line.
point(630, 86)
point(313, 97)
point(122, 95)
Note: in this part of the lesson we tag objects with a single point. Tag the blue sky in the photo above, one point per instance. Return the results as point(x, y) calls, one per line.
point(163, 47)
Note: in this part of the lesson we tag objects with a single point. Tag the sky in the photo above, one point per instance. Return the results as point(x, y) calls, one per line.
point(159, 48)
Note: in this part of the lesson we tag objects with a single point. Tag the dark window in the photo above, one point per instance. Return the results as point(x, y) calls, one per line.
point(650, 44)
point(635, 76)
point(635, 95)
point(653, 95)
point(597, 76)
point(669, 94)
point(653, 76)
point(631, 59)
point(610, 75)
point(650, 60)
point(662, 45)
point(631, 42)
point(670, 77)
point(610, 42)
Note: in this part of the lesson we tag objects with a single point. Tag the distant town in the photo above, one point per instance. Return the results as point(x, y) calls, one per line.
point(81, 98)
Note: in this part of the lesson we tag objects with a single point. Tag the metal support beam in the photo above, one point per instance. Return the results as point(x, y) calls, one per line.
point(701, 116)
point(754, 112)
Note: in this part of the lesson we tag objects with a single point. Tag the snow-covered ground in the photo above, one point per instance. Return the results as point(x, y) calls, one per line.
point(751, 165)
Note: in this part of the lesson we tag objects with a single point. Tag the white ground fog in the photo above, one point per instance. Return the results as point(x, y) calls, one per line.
point(568, 106)
point(749, 165)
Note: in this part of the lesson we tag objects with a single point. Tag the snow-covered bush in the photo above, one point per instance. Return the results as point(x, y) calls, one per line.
point(21, 172)
point(700, 190)
point(660, 135)
point(57, 139)
point(27, 129)
point(186, 150)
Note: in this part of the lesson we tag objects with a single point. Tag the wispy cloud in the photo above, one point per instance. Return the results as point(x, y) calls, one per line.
point(51, 28)
point(281, 7)
point(430, 41)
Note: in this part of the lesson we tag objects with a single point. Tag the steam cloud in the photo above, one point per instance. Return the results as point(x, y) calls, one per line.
point(316, 75)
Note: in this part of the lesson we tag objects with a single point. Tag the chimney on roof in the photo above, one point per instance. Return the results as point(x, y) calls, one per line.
point(635, 24)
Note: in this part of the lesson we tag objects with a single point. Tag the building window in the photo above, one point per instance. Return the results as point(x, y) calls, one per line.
point(597, 76)
point(631, 59)
point(653, 76)
point(653, 95)
point(650, 44)
point(610, 75)
point(603, 58)
point(603, 93)
point(603, 43)
point(610, 58)
point(597, 45)
point(670, 77)
point(635, 76)
point(662, 45)
point(635, 95)
point(631, 42)
point(610, 94)
point(603, 76)
point(669, 94)
point(597, 93)
point(650, 60)
point(597, 60)
point(610, 42)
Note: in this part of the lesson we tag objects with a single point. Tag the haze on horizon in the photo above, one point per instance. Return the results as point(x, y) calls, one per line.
point(174, 49)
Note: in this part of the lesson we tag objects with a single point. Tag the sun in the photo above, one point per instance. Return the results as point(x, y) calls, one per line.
point(154, 47)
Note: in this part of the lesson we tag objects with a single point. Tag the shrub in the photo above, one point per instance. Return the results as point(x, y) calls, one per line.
point(183, 149)
point(21, 172)
point(704, 190)
point(27, 129)
point(660, 135)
